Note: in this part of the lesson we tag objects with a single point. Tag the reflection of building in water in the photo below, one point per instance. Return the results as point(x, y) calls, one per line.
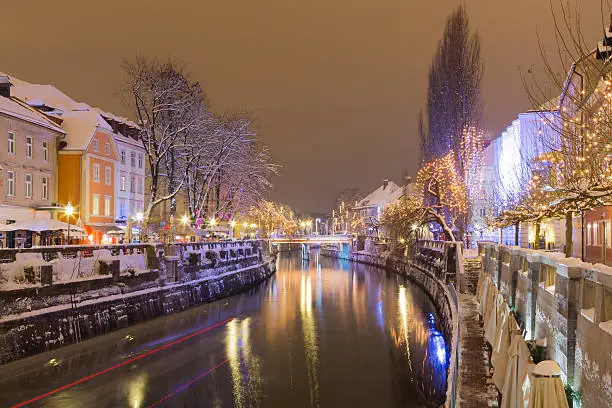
point(415, 355)
point(434, 366)
point(245, 366)
point(311, 346)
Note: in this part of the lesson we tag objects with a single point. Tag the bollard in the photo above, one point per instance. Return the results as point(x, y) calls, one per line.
point(114, 268)
point(46, 274)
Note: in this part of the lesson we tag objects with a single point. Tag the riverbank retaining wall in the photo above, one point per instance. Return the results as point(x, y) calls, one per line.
point(564, 302)
point(85, 309)
point(443, 296)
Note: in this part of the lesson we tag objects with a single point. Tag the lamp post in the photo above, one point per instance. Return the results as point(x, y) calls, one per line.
point(139, 218)
point(233, 225)
point(68, 210)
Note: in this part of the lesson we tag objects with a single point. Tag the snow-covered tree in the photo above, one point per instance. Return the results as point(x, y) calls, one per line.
point(170, 108)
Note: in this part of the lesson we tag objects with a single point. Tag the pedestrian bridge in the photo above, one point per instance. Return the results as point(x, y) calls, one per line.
point(314, 240)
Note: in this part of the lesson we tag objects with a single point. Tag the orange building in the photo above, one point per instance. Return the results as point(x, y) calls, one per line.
point(86, 172)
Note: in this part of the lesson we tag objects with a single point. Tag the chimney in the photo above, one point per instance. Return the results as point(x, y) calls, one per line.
point(5, 86)
point(385, 183)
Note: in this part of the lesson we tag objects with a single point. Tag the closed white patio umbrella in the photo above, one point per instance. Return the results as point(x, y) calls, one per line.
point(547, 389)
point(515, 392)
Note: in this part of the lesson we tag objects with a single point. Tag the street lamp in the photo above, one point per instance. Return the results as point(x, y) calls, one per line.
point(233, 225)
point(68, 210)
point(185, 220)
point(139, 218)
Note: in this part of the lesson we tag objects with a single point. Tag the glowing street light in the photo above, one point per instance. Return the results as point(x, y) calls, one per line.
point(69, 210)
point(139, 217)
point(185, 220)
point(253, 226)
point(212, 222)
point(233, 223)
point(245, 225)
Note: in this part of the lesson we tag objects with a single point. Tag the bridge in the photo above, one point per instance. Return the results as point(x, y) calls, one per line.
point(308, 240)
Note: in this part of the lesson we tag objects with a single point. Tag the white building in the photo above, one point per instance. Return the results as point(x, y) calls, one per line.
point(130, 168)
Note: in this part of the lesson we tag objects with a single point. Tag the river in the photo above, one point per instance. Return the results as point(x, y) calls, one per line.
point(319, 333)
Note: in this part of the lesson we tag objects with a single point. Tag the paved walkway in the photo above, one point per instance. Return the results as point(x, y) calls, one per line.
point(474, 389)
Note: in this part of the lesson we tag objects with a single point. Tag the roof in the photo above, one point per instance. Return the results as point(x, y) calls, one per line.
point(79, 120)
point(17, 109)
point(382, 195)
point(80, 127)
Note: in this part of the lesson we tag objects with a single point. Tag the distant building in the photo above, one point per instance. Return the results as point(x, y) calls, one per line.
point(370, 208)
point(28, 161)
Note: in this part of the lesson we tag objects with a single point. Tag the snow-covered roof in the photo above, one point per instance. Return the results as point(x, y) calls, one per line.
point(382, 195)
point(79, 120)
point(80, 127)
point(17, 109)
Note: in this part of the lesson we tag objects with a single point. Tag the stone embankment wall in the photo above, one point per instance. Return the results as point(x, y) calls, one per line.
point(67, 313)
point(568, 303)
point(443, 296)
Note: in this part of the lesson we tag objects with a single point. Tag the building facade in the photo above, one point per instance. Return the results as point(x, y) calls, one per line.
point(28, 162)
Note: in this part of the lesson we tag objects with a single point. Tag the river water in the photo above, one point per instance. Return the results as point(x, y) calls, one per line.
point(319, 333)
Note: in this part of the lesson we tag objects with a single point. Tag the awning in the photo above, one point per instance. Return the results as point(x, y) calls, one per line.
point(39, 225)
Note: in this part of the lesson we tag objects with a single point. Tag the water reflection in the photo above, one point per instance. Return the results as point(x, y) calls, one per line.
point(245, 366)
point(320, 333)
point(311, 348)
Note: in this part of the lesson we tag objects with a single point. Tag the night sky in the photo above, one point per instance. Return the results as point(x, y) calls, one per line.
point(335, 85)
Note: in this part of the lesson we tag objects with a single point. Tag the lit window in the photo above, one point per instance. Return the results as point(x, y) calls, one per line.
point(123, 157)
point(95, 145)
point(96, 173)
point(107, 148)
point(96, 205)
point(11, 142)
point(122, 183)
point(107, 206)
point(45, 188)
point(45, 150)
point(133, 159)
point(589, 234)
point(29, 147)
point(107, 175)
point(28, 186)
point(140, 160)
point(10, 177)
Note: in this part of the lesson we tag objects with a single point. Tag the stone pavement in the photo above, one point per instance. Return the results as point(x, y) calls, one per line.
point(474, 388)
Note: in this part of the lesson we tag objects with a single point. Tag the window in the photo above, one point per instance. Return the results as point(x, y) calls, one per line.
point(95, 145)
point(11, 143)
point(122, 183)
point(483, 212)
point(96, 173)
point(140, 186)
point(122, 209)
point(44, 188)
point(133, 159)
point(28, 186)
point(95, 208)
point(132, 185)
point(107, 206)
point(45, 151)
point(107, 175)
point(10, 177)
point(29, 147)
point(595, 235)
point(107, 148)
point(589, 240)
point(140, 160)
point(123, 157)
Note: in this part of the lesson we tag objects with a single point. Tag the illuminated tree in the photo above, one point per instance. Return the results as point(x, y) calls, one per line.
point(453, 99)
point(578, 148)
point(442, 193)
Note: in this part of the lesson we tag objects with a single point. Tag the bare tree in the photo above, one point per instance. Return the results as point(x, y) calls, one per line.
point(170, 108)
point(453, 99)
